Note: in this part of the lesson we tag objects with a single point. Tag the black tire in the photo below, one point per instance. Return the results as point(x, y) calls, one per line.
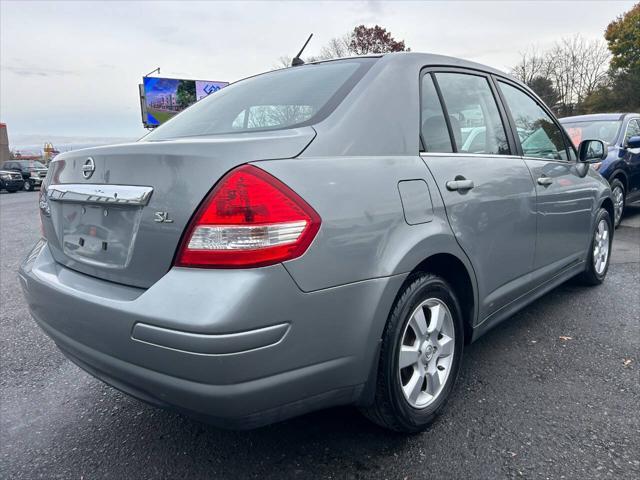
point(28, 186)
point(590, 276)
point(614, 185)
point(11, 191)
point(390, 408)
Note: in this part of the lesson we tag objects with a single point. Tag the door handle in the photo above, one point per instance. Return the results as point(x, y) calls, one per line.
point(460, 184)
point(545, 181)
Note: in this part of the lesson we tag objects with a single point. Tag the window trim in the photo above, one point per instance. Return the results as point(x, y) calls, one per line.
point(514, 129)
point(432, 70)
point(423, 144)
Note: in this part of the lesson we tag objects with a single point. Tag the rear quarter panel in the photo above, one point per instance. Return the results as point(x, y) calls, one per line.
point(363, 234)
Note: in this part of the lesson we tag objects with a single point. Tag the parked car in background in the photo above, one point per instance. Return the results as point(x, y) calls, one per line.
point(33, 172)
point(621, 134)
point(338, 245)
point(10, 181)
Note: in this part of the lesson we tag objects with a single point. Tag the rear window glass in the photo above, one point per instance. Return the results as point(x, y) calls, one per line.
point(435, 133)
point(287, 98)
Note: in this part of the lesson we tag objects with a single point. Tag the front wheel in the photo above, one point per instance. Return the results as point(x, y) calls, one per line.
point(420, 356)
point(618, 194)
point(28, 186)
point(600, 251)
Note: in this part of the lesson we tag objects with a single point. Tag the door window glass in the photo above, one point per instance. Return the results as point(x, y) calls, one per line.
point(435, 134)
point(539, 135)
point(473, 114)
point(633, 130)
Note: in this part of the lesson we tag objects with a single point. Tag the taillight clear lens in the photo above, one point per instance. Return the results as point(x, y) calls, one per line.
point(250, 219)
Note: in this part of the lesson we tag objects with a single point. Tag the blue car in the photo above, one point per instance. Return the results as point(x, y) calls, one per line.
point(621, 132)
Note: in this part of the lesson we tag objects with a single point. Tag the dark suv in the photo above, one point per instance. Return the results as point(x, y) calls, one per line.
point(621, 132)
point(10, 181)
point(33, 172)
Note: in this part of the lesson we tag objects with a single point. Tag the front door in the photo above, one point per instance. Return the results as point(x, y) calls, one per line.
point(565, 193)
point(487, 191)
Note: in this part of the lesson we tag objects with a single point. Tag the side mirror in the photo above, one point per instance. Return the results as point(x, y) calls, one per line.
point(591, 151)
point(633, 142)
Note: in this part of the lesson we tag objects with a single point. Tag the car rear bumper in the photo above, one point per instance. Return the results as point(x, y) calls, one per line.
point(238, 348)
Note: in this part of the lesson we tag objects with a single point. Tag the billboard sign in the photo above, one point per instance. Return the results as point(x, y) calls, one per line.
point(162, 98)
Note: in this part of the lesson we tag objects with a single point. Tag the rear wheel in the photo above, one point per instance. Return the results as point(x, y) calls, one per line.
point(420, 356)
point(600, 252)
point(618, 194)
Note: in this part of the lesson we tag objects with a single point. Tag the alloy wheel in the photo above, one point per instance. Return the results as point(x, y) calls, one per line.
point(601, 247)
point(618, 203)
point(426, 352)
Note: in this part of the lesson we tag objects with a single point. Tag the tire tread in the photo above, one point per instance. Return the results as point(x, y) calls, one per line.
point(382, 412)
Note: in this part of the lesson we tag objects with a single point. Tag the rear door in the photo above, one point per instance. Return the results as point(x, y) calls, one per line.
point(565, 195)
point(632, 158)
point(487, 190)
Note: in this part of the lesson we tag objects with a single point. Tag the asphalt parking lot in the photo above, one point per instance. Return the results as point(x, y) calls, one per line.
point(552, 393)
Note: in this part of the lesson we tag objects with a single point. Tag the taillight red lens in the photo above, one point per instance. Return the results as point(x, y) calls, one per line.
point(250, 219)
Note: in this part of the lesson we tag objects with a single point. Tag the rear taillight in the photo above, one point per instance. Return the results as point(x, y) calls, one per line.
point(250, 219)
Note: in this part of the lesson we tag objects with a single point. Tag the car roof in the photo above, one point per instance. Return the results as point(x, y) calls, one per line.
point(427, 60)
point(596, 116)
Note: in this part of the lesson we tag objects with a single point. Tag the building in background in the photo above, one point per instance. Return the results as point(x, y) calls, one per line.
point(5, 154)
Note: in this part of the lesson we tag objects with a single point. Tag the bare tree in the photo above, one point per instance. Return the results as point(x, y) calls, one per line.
point(575, 66)
point(283, 62)
point(594, 68)
point(336, 47)
point(532, 64)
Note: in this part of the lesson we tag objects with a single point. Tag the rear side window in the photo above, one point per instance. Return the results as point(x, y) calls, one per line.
point(435, 134)
point(287, 98)
point(539, 135)
point(633, 130)
point(473, 114)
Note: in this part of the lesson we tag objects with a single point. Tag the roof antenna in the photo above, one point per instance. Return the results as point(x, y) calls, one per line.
point(297, 60)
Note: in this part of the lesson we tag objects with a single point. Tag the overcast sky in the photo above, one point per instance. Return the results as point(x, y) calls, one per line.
point(72, 68)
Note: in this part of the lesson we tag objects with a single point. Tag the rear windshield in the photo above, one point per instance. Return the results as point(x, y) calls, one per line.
point(287, 98)
point(605, 130)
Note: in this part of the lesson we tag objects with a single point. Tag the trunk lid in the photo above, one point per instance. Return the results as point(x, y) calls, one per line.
point(118, 212)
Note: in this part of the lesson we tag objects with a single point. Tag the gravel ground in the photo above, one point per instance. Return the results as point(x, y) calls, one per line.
point(552, 393)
